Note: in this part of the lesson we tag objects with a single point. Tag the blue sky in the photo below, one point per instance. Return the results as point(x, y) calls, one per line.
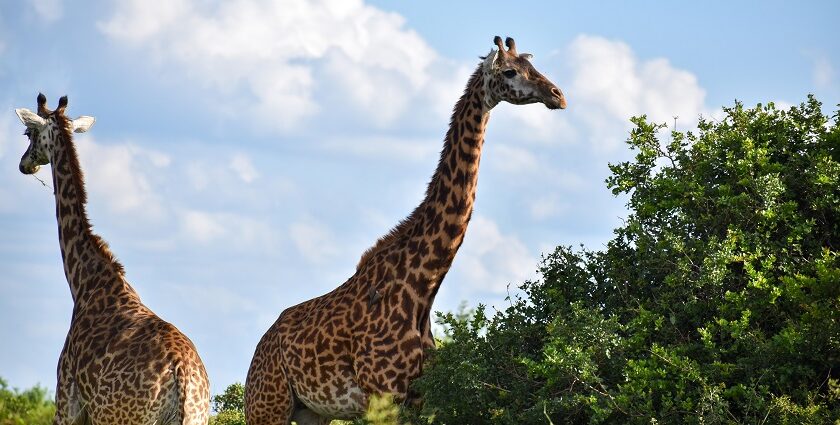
point(247, 152)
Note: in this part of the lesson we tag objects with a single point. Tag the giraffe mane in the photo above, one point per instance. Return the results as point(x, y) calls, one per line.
point(402, 228)
point(77, 174)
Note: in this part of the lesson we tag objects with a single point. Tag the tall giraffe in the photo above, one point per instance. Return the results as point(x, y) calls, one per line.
point(323, 358)
point(121, 363)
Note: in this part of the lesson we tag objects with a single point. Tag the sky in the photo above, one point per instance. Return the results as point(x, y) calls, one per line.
point(246, 152)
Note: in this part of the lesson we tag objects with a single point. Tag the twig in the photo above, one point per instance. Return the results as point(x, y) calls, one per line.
point(42, 182)
point(545, 412)
point(495, 387)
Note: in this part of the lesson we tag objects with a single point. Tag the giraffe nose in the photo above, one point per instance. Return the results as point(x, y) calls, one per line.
point(557, 93)
point(28, 170)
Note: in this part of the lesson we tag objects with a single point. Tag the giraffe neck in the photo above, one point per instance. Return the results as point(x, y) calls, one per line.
point(423, 246)
point(448, 206)
point(90, 268)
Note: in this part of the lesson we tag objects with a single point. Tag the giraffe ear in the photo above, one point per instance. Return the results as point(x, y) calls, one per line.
point(490, 61)
point(83, 124)
point(30, 119)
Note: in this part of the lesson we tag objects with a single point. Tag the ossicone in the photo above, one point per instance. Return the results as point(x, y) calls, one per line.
point(498, 42)
point(511, 45)
point(62, 104)
point(42, 105)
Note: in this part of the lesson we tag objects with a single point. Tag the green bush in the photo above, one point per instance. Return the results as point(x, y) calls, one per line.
point(229, 406)
point(29, 407)
point(717, 301)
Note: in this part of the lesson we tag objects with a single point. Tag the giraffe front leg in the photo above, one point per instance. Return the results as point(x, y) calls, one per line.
point(69, 408)
point(386, 365)
point(304, 416)
point(427, 344)
point(268, 392)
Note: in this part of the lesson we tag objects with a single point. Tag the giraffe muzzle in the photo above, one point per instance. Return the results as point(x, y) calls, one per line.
point(558, 100)
point(31, 169)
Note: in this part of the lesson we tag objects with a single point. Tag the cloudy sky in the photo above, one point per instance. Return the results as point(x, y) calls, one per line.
point(246, 152)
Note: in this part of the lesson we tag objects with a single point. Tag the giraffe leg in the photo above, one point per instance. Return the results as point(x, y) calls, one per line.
point(268, 393)
point(377, 381)
point(304, 416)
point(68, 406)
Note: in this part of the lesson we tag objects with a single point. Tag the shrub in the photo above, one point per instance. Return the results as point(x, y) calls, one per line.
point(28, 407)
point(717, 301)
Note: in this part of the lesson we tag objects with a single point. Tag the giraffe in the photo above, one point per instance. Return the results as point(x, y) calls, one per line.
point(323, 358)
point(121, 363)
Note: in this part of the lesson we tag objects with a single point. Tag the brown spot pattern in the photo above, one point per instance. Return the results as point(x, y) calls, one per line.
point(322, 358)
point(121, 363)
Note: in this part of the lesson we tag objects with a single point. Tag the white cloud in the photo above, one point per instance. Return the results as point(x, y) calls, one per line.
point(449, 81)
point(490, 260)
point(383, 94)
point(823, 71)
point(605, 86)
point(48, 10)
point(607, 73)
point(523, 162)
point(225, 228)
point(218, 299)
point(136, 21)
point(313, 240)
point(226, 176)
point(546, 207)
point(781, 105)
point(7, 133)
point(201, 226)
point(536, 123)
point(197, 175)
point(389, 148)
point(121, 175)
point(271, 50)
point(241, 164)
point(515, 160)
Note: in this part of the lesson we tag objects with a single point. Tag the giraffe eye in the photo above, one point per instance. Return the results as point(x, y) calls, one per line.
point(509, 73)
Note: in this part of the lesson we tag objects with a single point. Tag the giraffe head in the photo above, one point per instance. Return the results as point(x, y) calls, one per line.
point(510, 77)
point(45, 129)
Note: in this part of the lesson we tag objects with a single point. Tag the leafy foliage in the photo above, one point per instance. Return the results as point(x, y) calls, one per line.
point(717, 301)
point(28, 407)
point(382, 411)
point(229, 406)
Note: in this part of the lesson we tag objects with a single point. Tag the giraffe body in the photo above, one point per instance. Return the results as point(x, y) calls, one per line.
point(121, 363)
point(323, 358)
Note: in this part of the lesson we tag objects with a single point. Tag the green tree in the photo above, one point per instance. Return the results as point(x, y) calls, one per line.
point(229, 406)
point(717, 301)
point(28, 407)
